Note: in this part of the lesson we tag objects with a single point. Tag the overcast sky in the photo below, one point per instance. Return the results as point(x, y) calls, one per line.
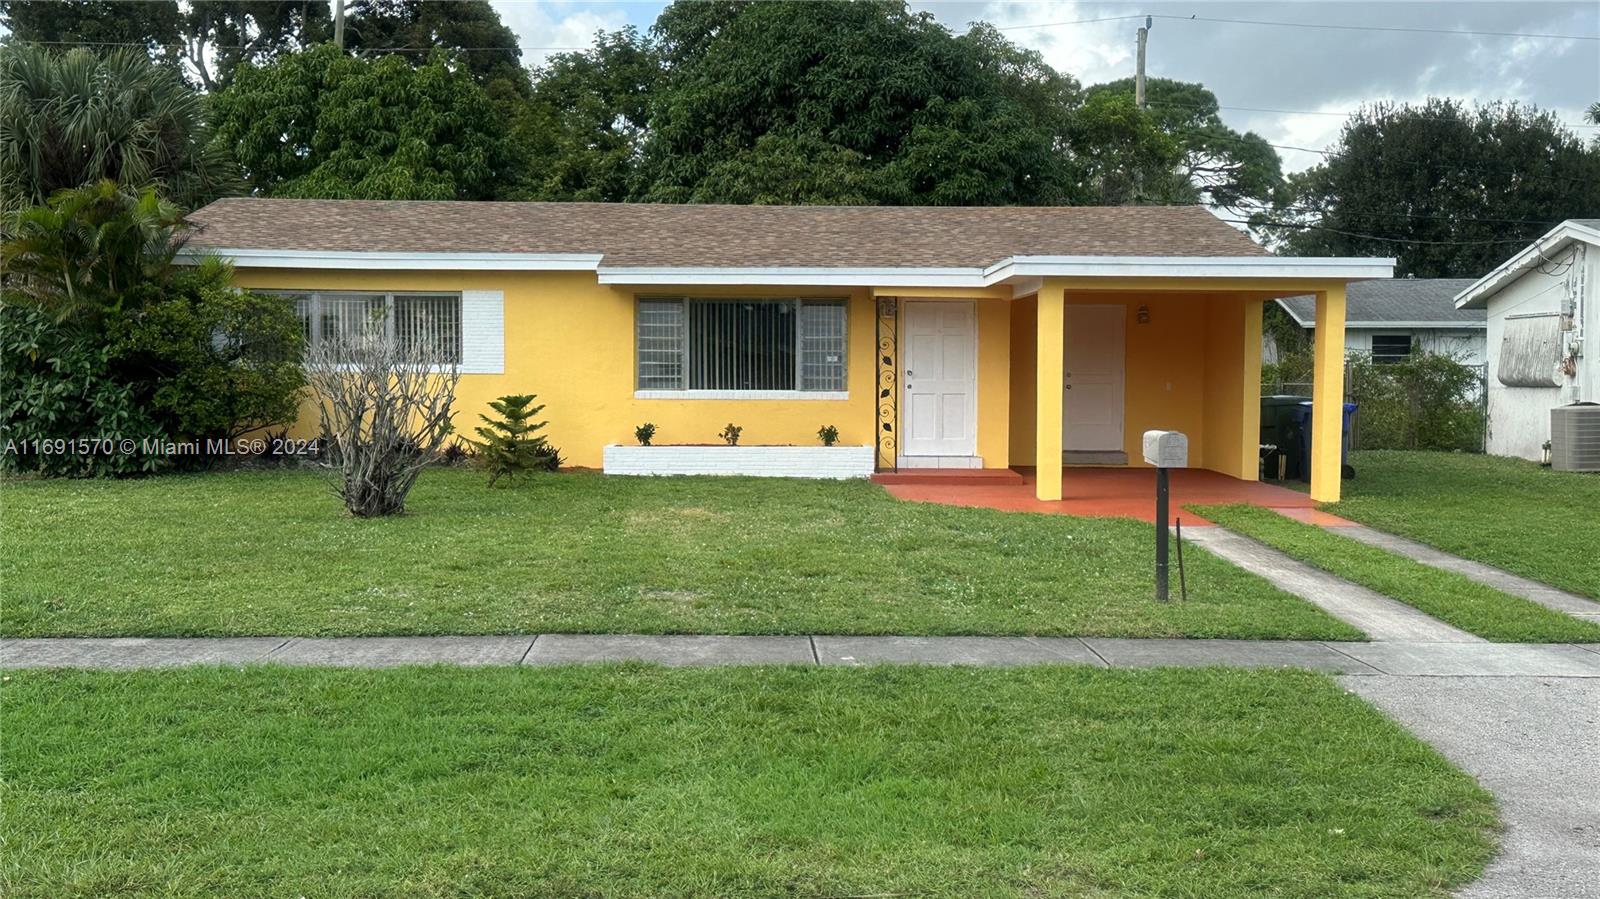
point(1308, 70)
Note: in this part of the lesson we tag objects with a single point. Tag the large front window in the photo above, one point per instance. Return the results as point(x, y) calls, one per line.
point(431, 321)
point(741, 345)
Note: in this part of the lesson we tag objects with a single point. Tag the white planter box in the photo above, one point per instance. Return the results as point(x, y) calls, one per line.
point(758, 461)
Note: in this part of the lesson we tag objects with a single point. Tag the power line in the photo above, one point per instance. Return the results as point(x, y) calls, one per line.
point(1390, 28)
point(1063, 24)
point(180, 46)
point(1325, 25)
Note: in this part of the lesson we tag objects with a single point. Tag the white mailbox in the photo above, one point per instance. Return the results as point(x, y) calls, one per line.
point(1166, 449)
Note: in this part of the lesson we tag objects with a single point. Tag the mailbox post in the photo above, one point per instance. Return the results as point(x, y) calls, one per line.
point(1165, 450)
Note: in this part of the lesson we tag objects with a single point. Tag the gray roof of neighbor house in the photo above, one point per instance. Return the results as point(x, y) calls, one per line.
point(636, 234)
point(1409, 302)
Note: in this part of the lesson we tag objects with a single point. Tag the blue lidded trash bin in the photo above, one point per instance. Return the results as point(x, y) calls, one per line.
point(1302, 418)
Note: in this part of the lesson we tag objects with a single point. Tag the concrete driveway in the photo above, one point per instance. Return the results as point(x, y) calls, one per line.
point(1534, 742)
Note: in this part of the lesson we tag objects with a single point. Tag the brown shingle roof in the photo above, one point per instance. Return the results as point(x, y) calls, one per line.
point(725, 236)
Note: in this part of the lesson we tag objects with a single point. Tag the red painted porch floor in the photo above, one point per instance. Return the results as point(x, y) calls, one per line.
point(1099, 492)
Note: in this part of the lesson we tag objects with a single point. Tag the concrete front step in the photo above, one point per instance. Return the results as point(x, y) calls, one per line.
point(954, 477)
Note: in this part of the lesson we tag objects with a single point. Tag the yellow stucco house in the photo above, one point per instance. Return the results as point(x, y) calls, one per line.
point(937, 337)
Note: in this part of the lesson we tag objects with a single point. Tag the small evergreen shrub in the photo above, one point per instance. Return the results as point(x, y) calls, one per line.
point(511, 443)
point(644, 433)
point(730, 434)
point(828, 434)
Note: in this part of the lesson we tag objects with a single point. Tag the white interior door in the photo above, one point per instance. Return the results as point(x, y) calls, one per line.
point(1091, 413)
point(941, 379)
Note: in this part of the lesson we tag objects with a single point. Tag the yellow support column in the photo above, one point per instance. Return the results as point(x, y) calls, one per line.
point(1250, 408)
point(1051, 336)
point(1327, 395)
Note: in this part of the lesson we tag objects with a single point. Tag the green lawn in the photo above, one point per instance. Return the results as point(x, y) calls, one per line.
point(641, 781)
point(1445, 595)
point(1509, 513)
point(273, 553)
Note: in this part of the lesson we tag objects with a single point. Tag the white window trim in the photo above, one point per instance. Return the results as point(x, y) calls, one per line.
point(741, 394)
point(659, 393)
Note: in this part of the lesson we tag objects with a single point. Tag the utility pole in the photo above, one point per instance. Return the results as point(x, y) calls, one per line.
point(338, 38)
point(1138, 78)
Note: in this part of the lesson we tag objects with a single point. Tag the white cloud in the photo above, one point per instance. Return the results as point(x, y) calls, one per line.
point(546, 27)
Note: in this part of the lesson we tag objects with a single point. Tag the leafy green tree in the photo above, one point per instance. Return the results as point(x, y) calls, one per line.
point(323, 124)
point(512, 443)
point(1117, 145)
point(213, 37)
point(222, 35)
point(1448, 190)
point(156, 26)
point(70, 119)
point(1215, 164)
point(470, 30)
point(584, 127)
point(930, 117)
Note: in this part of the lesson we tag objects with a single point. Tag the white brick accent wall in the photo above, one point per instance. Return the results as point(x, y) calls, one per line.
point(483, 332)
point(832, 462)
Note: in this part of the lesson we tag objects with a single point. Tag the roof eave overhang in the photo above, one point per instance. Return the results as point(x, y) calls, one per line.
point(371, 260)
point(1021, 272)
point(1477, 294)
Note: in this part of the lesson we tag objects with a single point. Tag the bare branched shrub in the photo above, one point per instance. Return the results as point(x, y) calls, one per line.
point(386, 411)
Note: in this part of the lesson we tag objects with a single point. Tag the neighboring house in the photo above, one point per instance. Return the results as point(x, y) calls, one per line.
point(1391, 319)
point(939, 337)
point(1542, 303)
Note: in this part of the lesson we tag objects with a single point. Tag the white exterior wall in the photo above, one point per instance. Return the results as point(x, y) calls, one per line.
point(1519, 417)
point(833, 462)
point(1467, 345)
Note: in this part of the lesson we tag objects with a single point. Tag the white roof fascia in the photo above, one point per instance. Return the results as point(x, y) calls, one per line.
point(1018, 270)
point(1477, 295)
point(1333, 267)
point(796, 276)
point(363, 259)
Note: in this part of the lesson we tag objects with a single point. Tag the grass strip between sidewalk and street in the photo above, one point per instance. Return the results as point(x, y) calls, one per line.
point(1446, 595)
point(634, 781)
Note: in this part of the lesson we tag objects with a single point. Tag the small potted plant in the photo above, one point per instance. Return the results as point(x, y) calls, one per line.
point(728, 456)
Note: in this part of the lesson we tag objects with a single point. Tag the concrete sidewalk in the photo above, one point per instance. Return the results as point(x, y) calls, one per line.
point(1397, 658)
point(1376, 615)
point(1504, 581)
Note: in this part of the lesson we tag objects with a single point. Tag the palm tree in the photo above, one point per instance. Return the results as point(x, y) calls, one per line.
point(1593, 115)
point(77, 256)
point(70, 119)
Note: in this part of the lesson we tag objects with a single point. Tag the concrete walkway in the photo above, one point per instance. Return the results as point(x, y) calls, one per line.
point(1504, 581)
point(1395, 658)
point(1380, 617)
point(1535, 744)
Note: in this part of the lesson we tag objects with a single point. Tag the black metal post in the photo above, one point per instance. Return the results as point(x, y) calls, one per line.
point(1161, 534)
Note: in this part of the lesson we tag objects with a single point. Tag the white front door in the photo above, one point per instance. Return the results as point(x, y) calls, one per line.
point(941, 379)
point(1091, 412)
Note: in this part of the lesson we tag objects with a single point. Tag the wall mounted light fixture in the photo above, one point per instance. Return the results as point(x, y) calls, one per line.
point(1144, 315)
